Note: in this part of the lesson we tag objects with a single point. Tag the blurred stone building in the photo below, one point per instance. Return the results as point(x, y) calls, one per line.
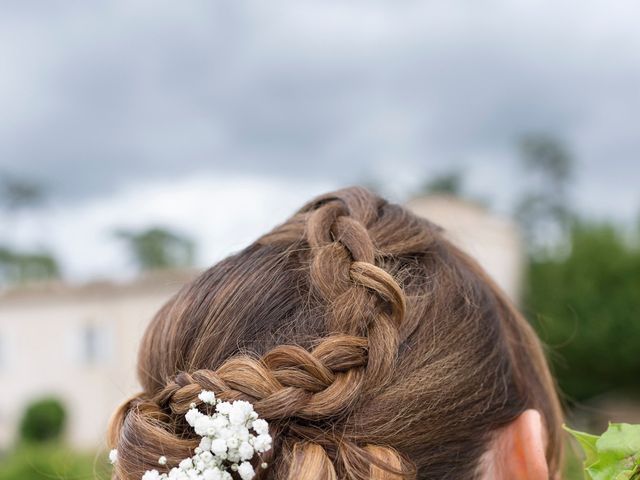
point(79, 343)
point(494, 241)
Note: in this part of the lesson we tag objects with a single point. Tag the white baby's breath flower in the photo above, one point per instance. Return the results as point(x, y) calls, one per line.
point(233, 442)
point(237, 417)
point(204, 426)
point(260, 426)
point(218, 446)
point(245, 470)
point(113, 456)
point(205, 444)
point(220, 421)
point(207, 397)
point(242, 433)
point(240, 412)
point(246, 451)
point(151, 475)
point(262, 443)
point(227, 443)
point(192, 416)
point(223, 408)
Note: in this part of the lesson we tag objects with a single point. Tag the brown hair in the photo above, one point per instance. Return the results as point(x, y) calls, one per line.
point(374, 348)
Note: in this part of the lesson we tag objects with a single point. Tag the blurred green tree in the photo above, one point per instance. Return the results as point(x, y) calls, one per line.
point(18, 194)
point(43, 420)
point(585, 304)
point(159, 248)
point(450, 183)
point(19, 267)
point(544, 210)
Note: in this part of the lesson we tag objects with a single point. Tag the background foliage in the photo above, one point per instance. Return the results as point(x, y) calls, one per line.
point(43, 420)
point(52, 460)
point(41, 454)
point(586, 307)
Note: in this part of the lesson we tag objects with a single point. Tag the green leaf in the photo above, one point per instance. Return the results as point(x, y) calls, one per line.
point(615, 455)
point(588, 444)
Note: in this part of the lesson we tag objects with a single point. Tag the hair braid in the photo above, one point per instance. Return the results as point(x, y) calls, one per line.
point(362, 298)
point(287, 382)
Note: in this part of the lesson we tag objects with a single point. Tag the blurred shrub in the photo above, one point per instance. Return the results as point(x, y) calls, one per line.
point(49, 461)
point(43, 420)
point(586, 307)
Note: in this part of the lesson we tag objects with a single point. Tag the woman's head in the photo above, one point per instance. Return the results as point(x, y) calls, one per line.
point(371, 344)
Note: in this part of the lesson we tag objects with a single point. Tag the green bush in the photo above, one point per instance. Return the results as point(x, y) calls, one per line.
point(43, 420)
point(51, 461)
point(586, 307)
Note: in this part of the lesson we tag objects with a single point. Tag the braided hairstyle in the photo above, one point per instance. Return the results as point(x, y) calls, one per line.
point(373, 346)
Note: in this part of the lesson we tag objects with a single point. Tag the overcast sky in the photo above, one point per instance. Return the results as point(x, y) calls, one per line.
point(220, 118)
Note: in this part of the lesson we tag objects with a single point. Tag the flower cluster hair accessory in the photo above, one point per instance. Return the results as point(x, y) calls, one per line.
point(231, 438)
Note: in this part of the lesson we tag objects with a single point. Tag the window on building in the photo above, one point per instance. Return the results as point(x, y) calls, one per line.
point(92, 344)
point(89, 343)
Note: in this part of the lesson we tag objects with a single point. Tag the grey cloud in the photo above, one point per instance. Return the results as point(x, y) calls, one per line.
point(146, 90)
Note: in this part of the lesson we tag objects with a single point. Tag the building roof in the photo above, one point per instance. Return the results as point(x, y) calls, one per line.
point(158, 281)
